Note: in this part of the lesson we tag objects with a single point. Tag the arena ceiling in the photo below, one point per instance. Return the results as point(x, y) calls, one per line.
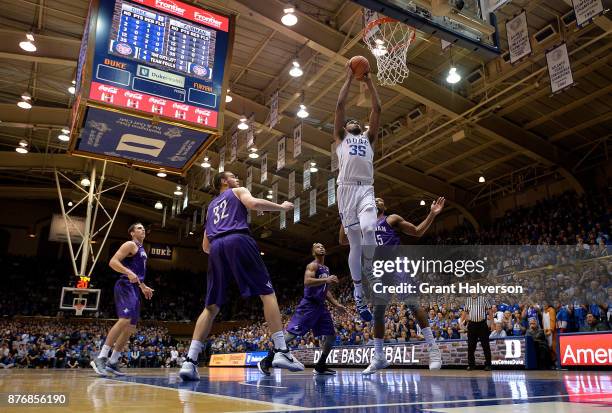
point(516, 133)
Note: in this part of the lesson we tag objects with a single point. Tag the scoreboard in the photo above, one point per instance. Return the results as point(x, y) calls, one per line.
point(161, 60)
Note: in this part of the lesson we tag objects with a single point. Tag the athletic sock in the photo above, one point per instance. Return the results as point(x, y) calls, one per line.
point(115, 357)
point(358, 291)
point(279, 340)
point(429, 338)
point(378, 346)
point(104, 352)
point(194, 350)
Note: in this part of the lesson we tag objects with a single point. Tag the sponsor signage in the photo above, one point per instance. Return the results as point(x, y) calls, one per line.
point(253, 358)
point(587, 349)
point(236, 359)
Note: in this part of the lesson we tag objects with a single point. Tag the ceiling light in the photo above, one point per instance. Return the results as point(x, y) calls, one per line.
point(159, 205)
point(270, 192)
point(422, 203)
point(289, 19)
point(85, 181)
point(453, 77)
point(26, 96)
point(190, 232)
point(19, 149)
point(313, 167)
point(228, 97)
point(70, 203)
point(481, 179)
point(380, 48)
point(262, 253)
point(72, 90)
point(23, 143)
point(295, 70)
point(253, 153)
point(66, 131)
point(162, 174)
point(302, 113)
point(32, 235)
point(28, 44)
point(24, 104)
point(63, 138)
point(205, 163)
point(243, 125)
point(178, 191)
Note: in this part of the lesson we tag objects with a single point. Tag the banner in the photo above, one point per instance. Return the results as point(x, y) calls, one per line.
point(260, 196)
point(586, 349)
point(282, 220)
point(297, 141)
point(253, 358)
point(207, 178)
point(334, 157)
point(291, 186)
point(76, 226)
point(313, 202)
point(275, 192)
point(504, 352)
point(586, 10)
point(280, 160)
point(306, 176)
point(331, 191)
point(234, 147)
point(559, 69)
point(518, 37)
point(274, 109)
point(250, 134)
point(222, 159)
point(236, 359)
point(249, 178)
point(264, 168)
point(296, 210)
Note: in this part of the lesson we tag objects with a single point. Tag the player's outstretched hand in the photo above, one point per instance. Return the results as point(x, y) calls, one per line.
point(437, 205)
point(147, 291)
point(287, 206)
point(332, 279)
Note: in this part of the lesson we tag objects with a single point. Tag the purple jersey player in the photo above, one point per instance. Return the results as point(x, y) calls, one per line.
point(388, 228)
point(312, 313)
point(234, 253)
point(130, 261)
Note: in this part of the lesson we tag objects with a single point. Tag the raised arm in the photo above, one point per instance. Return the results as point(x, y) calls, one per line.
point(417, 230)
point(340, 106)
point(375, 112)
point(258, 204)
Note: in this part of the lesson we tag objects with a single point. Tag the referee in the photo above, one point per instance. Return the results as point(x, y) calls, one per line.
point(478, 307)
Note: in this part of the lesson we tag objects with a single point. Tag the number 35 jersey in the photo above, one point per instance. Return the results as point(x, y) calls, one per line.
point(226, 213)
point(355, 156)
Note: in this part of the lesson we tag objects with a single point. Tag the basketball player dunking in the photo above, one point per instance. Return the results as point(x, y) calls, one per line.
point(312, 313)
point(388, 228)
point(234, 253)
point(355, 185)
point(130, 261)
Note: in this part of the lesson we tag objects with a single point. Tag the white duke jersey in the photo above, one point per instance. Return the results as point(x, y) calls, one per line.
point(356, 159)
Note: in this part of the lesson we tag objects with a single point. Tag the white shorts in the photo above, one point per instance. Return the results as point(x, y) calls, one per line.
point(352, 201)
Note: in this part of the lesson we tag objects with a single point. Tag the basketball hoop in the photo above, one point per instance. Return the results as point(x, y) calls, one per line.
point(388, 40)
point(78, 308)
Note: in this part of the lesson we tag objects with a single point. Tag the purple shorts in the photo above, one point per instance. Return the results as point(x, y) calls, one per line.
point(311, 316)
point(236, 255)
point(127, 300)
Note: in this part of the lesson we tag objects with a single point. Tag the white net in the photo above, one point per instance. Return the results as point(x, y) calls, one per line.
point(388, 40)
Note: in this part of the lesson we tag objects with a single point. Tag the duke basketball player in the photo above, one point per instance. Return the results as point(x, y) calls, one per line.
point(355, 185)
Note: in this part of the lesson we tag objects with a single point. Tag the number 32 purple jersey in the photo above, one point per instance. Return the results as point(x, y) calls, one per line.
point(226, 213)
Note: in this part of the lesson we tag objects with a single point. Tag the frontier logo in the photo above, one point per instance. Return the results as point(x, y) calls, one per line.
point(170, 6)
point(207, 19)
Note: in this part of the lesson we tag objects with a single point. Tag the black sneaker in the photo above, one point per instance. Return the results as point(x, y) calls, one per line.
point(323, 370)
point(470, 368)
point(487, 368)
point(265, 363)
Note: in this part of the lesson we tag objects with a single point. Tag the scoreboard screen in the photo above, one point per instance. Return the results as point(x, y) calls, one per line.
point(163, 41)
point(161, 57)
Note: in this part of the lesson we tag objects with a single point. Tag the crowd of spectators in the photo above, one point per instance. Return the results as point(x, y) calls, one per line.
point(565, 290)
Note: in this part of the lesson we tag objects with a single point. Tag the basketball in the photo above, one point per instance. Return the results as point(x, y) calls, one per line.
point(360, 66)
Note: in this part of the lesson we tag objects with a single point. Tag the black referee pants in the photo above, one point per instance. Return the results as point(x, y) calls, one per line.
point(478, 331)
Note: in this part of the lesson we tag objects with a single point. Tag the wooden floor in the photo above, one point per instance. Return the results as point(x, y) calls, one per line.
point(245, 390)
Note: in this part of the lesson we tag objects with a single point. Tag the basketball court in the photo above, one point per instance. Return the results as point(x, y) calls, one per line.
point(246, 390)
point(482, 101)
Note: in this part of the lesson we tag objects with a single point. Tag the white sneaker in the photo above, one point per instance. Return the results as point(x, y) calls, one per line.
point(378, 363)
point(189, 372)
point(362, 309)
point(286, 360)
point(435, 358)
